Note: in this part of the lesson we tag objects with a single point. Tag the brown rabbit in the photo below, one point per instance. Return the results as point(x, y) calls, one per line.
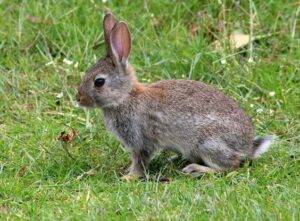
point(185, 116)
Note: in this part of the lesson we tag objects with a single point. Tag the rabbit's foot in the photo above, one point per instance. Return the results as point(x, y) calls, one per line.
point(196, 168)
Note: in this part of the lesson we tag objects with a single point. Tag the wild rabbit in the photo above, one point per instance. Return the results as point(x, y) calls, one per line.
point(185, 116)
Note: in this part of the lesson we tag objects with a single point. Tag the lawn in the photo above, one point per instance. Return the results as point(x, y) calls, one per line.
point(45, 48)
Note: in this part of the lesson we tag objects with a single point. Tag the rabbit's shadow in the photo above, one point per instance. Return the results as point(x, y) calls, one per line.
point(167, 163)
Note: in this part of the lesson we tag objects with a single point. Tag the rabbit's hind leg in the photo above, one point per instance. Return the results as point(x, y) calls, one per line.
point(198, 169)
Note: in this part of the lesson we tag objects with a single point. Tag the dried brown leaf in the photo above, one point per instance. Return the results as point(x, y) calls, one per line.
point(67, 137)
point(22, 171)
point(193, 29)
point(236, 40)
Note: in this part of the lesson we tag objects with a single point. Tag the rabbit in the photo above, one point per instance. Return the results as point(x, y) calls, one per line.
point(189, 117)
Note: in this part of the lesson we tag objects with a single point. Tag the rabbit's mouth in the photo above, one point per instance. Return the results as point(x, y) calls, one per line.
point(85, 101)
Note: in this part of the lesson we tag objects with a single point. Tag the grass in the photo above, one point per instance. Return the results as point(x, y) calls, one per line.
point(40, 180)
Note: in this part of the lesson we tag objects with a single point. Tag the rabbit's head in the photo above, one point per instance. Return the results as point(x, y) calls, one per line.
point(112, 78)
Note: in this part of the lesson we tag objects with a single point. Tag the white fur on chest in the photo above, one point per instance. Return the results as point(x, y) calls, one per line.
point(110, 126)
point(126, 129)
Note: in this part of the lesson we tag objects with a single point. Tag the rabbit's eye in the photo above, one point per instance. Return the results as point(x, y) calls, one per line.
point(99, 82)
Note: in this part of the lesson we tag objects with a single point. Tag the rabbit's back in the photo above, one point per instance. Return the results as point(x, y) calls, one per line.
point(197, 98)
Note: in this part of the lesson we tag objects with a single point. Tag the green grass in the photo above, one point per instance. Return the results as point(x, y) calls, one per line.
point(39, 180)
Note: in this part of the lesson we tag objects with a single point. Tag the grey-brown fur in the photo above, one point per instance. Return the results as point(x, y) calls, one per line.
point(185, 116)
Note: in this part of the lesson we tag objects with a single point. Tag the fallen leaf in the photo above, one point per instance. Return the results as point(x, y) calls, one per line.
point(67, 137)
point(193, 29)
point(22, 171)
point(238, 40)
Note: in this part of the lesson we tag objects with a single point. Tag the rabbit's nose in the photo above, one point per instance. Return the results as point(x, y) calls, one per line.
point(78, 96)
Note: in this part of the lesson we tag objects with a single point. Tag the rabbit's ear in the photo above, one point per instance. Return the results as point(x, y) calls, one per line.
point(109, 22)
point(120, 43)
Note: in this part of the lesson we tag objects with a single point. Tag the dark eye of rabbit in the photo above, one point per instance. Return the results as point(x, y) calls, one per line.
point(99, 82)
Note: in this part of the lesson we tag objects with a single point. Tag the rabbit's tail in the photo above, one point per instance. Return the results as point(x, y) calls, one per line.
point(262, 145)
